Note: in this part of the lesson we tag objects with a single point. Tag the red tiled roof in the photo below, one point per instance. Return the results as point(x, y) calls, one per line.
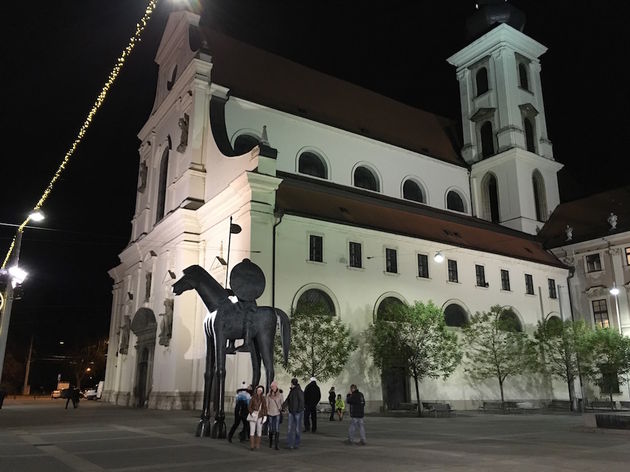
point(349, 206)
point(273, 81)
point(588, 217)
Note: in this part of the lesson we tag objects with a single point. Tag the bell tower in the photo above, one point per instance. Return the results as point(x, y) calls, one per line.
point(514, 175)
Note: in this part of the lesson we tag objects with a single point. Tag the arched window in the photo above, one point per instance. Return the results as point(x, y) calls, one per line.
point(540, 196)
point(365, 178)
point(487, 139)
point(310, 163)
point(508, 321)
point(386, 310)
point(522, 76)
point(481, 80)
point(455, 202)
point(553, 326)
point(161, 195)
point(490, 198)
point(412, 191)
point(245, 143)
point(315, 296)
point(455, 315)
point(530, 141)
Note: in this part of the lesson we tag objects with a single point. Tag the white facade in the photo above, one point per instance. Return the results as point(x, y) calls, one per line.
point(188, 190)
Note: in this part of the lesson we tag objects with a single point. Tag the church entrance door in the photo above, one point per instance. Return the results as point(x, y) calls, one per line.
point(144, 327)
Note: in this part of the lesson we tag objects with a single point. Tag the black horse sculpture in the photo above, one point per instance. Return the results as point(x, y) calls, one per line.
point(232, 318)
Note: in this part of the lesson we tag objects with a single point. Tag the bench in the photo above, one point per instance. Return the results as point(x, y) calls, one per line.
point(564, 405)
point(625, 405)
point(601, 405)
point(407, 406)
point(500, 406)
point(437, 408)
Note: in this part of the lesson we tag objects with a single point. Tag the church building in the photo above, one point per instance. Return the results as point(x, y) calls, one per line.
point(344, 197)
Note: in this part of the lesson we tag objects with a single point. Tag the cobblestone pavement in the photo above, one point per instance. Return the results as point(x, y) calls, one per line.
point(41, 435)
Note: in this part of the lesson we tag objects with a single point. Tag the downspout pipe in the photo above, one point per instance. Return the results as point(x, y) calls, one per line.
point(278, 214)
point(571, 275)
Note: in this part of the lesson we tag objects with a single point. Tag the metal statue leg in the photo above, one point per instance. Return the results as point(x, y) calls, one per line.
point(203, 428)
point(218, 427)
point(255, 355)
point(265, 347)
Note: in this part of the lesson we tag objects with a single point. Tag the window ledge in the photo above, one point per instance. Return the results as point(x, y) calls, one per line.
point(360, 269)
point(423, 278)
point(453, 282)
point(308, 261)
point(391, 274)
point(506, 291)
point(484, 287)
point(530, 294)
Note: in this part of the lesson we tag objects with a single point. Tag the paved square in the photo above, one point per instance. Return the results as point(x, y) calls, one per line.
point(42, 436)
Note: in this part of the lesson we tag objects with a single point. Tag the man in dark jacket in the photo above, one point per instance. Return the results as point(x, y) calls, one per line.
point(243, 395)
point(332, 399)
point(312, 396)
point(357, 410)
point(295, 404)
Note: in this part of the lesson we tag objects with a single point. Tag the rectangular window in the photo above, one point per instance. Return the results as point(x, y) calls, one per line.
point(355, 255)
point(316, 248)
point(628, 255)
point(593, 263)
point(391, 262)
point(480, 272)
point(452, 271)
point(529, 284)
point(423, 266)
point(552, 288)
point(600, 313)
point(505, 279)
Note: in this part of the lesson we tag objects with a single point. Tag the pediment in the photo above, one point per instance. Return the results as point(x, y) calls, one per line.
point(482, 114)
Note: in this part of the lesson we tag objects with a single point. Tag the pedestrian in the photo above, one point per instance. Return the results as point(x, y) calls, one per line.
point(257, 416)
point(356, 400)
point(241, 411)
point(312, 396)
point(331, 401)
point(340, 406)
point(295, 404)
point(71, 395)
point(274, 413)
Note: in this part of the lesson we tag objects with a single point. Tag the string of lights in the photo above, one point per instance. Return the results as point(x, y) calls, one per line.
point(113, 75)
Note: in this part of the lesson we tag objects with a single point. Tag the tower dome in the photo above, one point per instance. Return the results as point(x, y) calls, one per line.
point(491, 13)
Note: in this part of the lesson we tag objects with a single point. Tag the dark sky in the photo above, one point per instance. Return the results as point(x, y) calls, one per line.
point(57, 55)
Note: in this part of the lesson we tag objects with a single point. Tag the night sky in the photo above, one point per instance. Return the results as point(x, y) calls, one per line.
point(57, 55)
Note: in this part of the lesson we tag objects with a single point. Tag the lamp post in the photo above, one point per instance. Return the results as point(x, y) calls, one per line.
point(16, 277)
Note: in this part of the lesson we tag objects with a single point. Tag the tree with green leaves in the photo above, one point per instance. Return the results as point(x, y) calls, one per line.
point(320, 343)
point(609, 358)
point(559, 346)
point(415, 337)
point(496, 348)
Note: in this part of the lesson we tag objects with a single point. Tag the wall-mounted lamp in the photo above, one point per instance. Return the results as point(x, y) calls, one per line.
point(172, 274)
point(439, 257)
point(221, 261)
point(614, 290)
point(130, 295)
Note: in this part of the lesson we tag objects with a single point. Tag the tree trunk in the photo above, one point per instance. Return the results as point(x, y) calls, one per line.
point(612, 405)
point(502, 399)
point(418, 396)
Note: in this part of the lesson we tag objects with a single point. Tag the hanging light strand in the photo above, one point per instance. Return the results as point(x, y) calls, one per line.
point(113, 75)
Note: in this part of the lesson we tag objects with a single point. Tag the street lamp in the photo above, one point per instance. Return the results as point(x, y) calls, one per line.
point(16, 276)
